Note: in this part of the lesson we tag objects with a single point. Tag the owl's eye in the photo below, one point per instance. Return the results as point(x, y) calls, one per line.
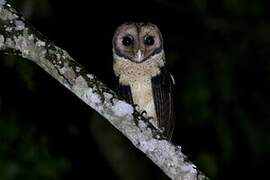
point(149, 40)
point(127, 41)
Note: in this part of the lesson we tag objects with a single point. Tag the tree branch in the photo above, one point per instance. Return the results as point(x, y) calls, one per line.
point(18, 37)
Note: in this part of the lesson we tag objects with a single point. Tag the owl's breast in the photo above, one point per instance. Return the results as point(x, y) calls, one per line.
point(128, 71)
point(142, 95)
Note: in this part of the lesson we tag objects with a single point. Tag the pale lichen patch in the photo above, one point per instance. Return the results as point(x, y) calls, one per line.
point(90, 76)
point(9, 42)
point(79, 86)
point(92, 99)
point(26, 45)
point(22, 44)
point(59, 62)
point(107, 95)
point(5, 14)
point(142, 125)
point(145, 128)
point(58, 56)
point(64, 69)
point(189, 168)
point(8, 29)
point(121, 108)
point(19, 25)
point(150, 145)
point(2, 40)
point(78, 69)
point(30, 37)
point(65, 54)
point(3, 2)
point(40, 43)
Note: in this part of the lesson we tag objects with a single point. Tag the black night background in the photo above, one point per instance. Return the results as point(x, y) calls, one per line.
point(218, 52)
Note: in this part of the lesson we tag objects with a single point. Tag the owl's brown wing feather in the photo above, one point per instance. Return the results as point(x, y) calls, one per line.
point(163, 97)
point(125, 92)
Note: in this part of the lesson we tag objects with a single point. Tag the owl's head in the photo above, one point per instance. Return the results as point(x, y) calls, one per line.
point(137, 41)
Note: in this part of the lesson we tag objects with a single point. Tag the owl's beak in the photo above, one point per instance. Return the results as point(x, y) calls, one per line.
point(139, 55)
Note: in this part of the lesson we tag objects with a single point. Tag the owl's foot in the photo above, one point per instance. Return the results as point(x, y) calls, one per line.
point(136, 107)
point(137, 115)
point(144, 114)
point(150, 119)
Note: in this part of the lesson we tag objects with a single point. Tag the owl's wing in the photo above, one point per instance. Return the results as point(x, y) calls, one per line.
point(163, 97)
point(125, 92)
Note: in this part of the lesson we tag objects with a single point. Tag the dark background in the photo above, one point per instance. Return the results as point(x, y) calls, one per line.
point(218, 52)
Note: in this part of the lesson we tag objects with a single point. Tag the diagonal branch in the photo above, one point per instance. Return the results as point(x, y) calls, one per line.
point(18, 37)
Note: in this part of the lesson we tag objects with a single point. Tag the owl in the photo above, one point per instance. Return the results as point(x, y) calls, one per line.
point(140, 69)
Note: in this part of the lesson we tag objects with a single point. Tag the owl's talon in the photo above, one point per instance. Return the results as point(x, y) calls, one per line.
point(136, 107)
point(150, 118)
point(112, 99)
point(144, 113)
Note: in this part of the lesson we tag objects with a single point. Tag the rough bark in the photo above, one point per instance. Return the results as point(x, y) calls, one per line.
point(18, 37)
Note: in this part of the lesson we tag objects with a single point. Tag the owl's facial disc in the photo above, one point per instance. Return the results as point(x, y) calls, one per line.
point(137, 41)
